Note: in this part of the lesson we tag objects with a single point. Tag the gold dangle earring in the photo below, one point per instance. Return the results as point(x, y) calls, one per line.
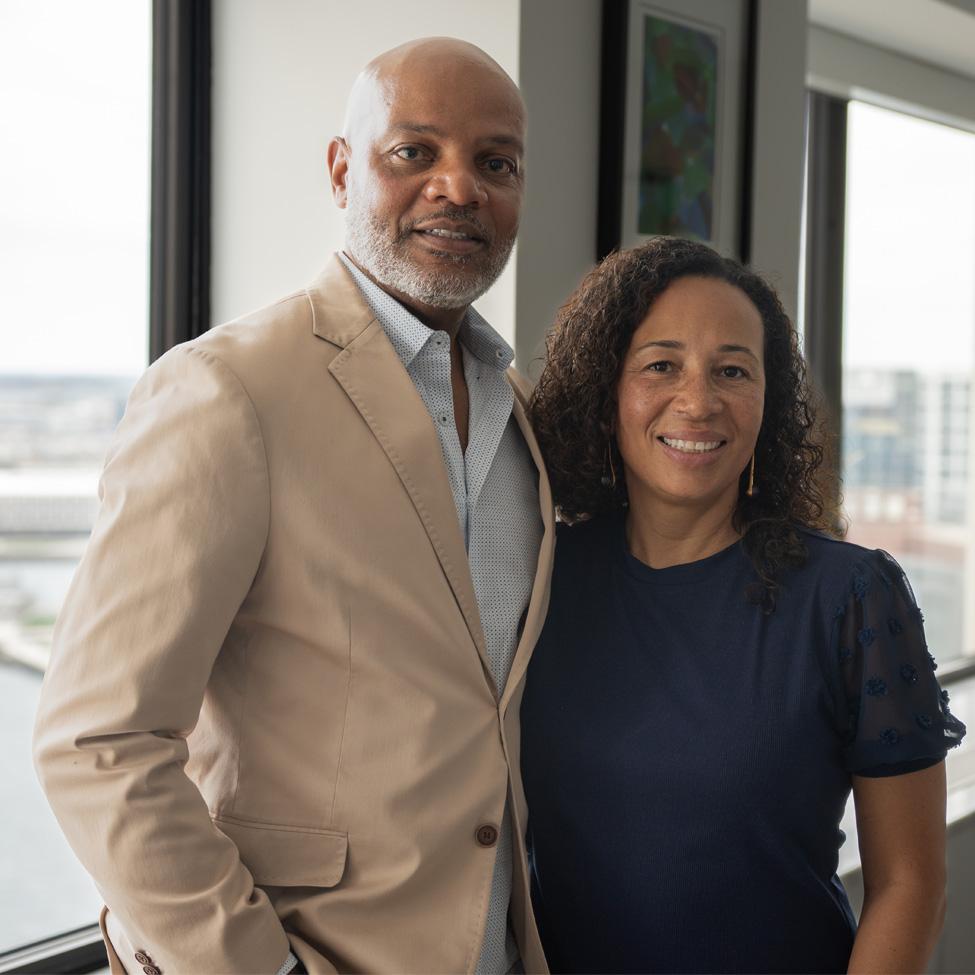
point(751, 490)
point(610, 481)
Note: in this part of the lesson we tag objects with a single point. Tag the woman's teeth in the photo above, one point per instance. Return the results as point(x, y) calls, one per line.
point(692, 446)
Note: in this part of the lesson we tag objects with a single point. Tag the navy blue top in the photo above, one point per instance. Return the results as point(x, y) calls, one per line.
point(687, 757)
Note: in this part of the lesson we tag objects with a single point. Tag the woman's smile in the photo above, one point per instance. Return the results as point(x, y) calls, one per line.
point(692, 446)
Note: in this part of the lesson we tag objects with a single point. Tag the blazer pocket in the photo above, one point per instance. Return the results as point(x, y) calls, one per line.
point(288, 856)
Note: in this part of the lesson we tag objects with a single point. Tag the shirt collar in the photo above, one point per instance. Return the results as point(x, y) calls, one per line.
point(409, 335)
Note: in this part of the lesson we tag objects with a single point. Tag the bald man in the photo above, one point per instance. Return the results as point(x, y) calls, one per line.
point(280, 724)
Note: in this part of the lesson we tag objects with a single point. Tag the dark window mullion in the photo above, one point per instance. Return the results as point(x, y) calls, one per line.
point(179, 279)
point(825, 235)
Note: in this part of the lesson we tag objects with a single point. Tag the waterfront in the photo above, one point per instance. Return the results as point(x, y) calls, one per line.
point(43, 888)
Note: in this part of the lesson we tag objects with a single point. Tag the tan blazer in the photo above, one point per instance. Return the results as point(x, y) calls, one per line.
point(269, 720)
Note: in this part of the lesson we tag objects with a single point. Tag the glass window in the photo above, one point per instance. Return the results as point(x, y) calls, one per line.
point(74, 171)
point(909, 358)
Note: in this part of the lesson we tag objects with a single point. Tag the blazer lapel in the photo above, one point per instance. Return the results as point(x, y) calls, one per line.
point(538, 604)
point(374, 379)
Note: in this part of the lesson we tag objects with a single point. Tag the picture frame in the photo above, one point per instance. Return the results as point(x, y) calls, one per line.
point(675, 123)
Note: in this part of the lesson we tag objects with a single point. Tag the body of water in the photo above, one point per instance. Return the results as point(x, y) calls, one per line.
point(42, 583)
point(44, 890)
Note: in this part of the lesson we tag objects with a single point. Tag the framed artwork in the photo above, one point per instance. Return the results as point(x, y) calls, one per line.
point(674, 122)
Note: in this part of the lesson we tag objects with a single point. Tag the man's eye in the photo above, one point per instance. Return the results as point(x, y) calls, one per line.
point(410, 153)
point(500, 165)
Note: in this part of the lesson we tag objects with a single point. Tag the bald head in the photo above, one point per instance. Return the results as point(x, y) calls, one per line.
point(429, 65)
point(430, 168)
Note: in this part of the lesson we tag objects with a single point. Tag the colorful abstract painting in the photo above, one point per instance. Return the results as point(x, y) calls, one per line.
point(678, 135)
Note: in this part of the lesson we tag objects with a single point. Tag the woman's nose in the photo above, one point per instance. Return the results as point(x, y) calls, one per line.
point(697, 397)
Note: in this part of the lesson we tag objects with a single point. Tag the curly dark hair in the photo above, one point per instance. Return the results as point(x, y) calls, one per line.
point(573, 408)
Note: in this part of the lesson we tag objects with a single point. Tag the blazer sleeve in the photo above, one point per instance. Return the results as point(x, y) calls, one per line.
point(176, 545)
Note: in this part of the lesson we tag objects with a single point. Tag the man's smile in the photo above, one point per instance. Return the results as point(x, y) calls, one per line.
point(452, 236)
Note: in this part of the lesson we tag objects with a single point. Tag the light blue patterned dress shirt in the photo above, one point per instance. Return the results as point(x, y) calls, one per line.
point(495, 489)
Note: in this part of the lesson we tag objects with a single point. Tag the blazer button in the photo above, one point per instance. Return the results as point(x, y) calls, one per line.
point(151, 970)
point(486, 835)
point(142, 958)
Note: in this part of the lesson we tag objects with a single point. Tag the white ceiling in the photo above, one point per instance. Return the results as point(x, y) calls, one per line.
point(941, 32)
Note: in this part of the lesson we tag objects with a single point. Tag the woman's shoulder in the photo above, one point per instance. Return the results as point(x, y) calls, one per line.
point(843, 571)
point(835, 556)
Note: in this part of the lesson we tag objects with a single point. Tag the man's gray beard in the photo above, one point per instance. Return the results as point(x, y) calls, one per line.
point(367, 240)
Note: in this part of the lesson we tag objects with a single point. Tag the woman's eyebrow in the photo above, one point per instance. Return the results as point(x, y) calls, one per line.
point(674, 344)
point(660, 343)
point(738, 348)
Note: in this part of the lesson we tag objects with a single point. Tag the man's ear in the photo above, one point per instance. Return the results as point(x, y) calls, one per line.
point(338, 170)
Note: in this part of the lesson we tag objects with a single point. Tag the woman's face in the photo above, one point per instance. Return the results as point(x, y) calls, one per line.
point(690, 396)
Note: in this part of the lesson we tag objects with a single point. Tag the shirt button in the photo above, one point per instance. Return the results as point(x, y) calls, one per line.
point(142, 958)
point(486, 835)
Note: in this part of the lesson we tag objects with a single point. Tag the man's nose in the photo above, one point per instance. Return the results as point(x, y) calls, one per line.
point(457, 183)
point(697, 397)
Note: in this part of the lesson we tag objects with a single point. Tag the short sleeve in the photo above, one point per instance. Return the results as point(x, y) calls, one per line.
point(897, 715)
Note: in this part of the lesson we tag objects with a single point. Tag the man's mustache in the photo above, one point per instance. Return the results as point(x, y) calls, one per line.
point(465, 215)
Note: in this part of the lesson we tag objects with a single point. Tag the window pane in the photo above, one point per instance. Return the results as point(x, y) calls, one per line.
point(909, 359)
point(74, 173)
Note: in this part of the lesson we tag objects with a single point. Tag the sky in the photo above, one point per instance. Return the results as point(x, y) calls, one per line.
point(910, 243)
point(74, 186)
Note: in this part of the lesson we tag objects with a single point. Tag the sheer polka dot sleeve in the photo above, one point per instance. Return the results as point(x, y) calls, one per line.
point(898, 717)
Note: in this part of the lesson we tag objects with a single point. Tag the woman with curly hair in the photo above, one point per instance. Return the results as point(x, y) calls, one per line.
point(717, 670)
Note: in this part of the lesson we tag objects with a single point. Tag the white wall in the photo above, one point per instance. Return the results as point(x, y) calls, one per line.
point(559, 77)
point(779, 146)
point(281, 72)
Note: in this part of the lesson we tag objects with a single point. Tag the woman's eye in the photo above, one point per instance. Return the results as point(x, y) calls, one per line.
point(733, 372)
point(662, 366)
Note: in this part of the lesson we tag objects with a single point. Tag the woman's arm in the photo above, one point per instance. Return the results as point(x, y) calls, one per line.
point(901, 830)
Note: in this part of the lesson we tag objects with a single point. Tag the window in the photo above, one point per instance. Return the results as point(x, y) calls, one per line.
point(890, 336)
point(908, 358)
point(74, 231)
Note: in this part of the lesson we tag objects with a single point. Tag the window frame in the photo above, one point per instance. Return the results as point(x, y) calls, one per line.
point(179, 250)
point(826, 120)
point(77, 951)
